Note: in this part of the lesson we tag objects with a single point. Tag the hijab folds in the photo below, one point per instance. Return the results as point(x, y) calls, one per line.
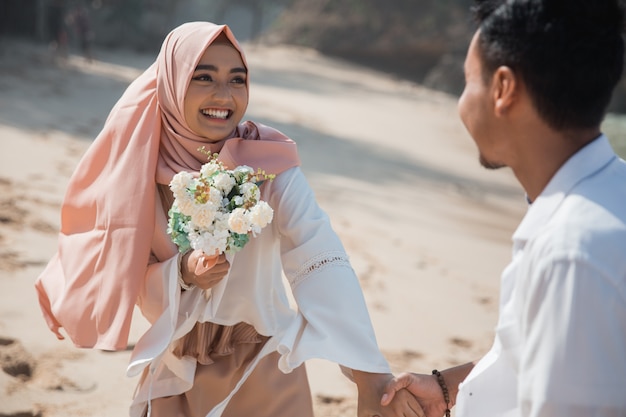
point(91, 284)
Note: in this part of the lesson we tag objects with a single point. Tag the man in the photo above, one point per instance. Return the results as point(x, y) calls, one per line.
point(539, 77)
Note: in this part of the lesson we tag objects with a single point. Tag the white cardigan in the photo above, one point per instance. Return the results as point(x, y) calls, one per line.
point(331, 322)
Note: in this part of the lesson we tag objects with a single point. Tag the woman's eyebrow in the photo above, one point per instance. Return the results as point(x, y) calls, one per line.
point(209, 67)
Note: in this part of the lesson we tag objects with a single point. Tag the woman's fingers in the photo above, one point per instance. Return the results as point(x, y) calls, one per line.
point(209, 277)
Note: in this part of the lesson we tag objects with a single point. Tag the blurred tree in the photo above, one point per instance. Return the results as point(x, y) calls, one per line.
point(405, 37)
point(126, 14)
point(422, 40)
point(256, 8)
point(20, 18)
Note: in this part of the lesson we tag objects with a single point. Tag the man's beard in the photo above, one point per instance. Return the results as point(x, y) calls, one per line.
point(490, 164)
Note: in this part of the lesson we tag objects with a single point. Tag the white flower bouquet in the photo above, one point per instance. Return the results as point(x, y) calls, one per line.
point(217, 210)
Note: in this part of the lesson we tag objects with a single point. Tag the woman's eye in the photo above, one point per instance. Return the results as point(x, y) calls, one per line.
point(203, 77)
point(238, 80)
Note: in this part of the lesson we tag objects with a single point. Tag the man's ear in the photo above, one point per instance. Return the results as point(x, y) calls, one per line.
point(505, 88)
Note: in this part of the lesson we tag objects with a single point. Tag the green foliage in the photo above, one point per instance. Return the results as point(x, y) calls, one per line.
point(238, 241)
point(176, 229)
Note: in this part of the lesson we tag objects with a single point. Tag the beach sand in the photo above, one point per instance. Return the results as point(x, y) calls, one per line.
point(427, 229)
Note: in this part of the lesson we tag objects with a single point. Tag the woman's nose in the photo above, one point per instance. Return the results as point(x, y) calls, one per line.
point(222, 91)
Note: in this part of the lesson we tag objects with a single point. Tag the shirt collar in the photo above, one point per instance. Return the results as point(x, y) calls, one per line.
point(587, 161)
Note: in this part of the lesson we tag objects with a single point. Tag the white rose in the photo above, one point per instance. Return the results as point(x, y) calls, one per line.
point(250, 192)
point(180, 182)
point(261, 214)
point(185, 204)
point(209, 242)
point(214, 197)
point(238, 221)
point(223, 182)
point(209, 169)
point(203, 215)
point(242, 172)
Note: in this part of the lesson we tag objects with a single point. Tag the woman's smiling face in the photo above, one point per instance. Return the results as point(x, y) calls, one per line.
point(217, 96)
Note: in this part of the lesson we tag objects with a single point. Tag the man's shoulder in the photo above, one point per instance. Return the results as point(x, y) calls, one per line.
point(590, 223)
point(597, 200)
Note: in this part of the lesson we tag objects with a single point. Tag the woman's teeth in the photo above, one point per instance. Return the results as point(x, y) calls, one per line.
point(216, 114)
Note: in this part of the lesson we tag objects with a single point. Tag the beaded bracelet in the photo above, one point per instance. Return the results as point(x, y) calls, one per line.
point(444, 389)
point(181, 281)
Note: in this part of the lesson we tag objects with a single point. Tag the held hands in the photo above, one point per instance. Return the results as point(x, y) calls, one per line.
point(371, 386)
point(424, 388)
point(202, 270)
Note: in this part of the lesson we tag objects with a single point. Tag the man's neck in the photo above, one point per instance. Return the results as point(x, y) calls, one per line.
point(543, 153)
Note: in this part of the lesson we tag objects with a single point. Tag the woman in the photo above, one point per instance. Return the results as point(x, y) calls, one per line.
point(239, 351)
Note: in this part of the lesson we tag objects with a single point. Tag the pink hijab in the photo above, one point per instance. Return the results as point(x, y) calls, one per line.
point(91, 284)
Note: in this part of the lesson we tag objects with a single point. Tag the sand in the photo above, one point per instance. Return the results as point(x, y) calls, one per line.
point(427, 229)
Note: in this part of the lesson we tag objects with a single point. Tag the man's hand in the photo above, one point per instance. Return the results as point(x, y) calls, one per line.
point(424, 388)
point(371, 386)
point(203, 271)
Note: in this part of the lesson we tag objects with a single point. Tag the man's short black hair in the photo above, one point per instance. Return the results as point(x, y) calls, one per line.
point(568, 53)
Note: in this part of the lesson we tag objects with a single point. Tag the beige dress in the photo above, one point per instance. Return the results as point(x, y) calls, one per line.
point(223, 353)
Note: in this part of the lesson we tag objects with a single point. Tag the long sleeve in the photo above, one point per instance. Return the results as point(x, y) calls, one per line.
point(333, 321)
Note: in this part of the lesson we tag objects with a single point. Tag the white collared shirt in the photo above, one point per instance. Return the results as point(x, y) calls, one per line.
point(560, 344)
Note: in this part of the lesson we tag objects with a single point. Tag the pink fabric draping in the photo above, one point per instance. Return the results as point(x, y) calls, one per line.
point(90, 285)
